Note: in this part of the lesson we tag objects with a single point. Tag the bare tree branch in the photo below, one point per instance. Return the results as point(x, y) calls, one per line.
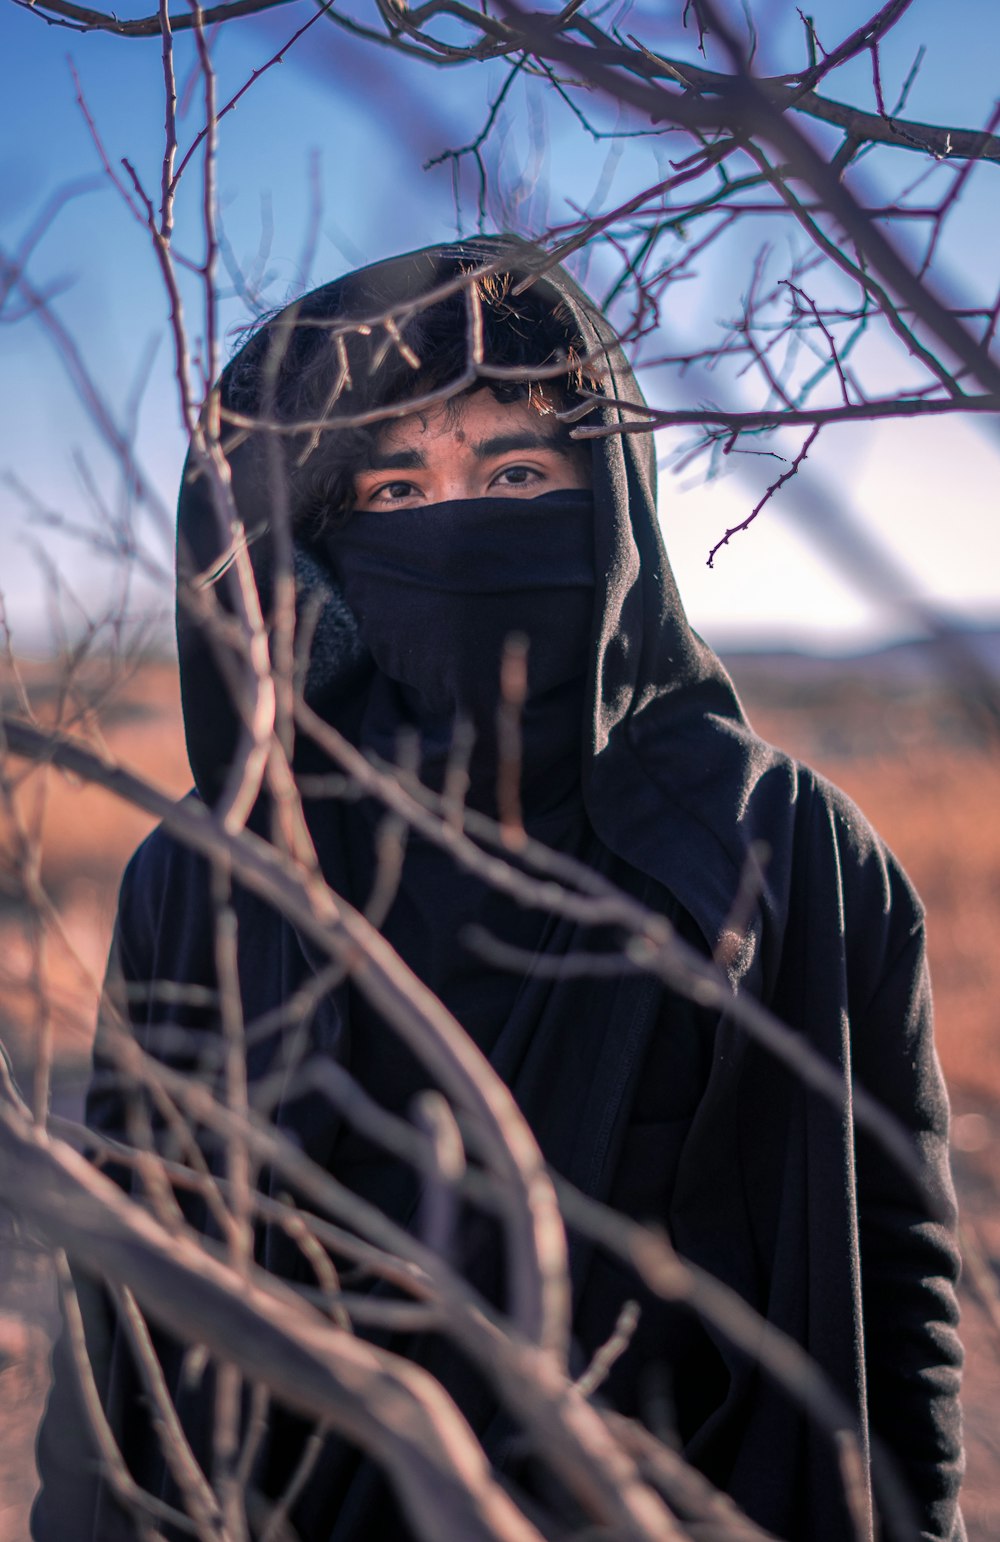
point(785, 417)
point(391, 1408)
point(82, 18)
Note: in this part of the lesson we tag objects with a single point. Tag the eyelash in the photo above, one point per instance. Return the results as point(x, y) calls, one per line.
point(532, 471)
point(388, 487)
point(377, 494)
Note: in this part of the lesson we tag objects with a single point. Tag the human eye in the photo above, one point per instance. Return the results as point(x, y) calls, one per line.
point(395, 492)
point(516, 478)
point(387, 495)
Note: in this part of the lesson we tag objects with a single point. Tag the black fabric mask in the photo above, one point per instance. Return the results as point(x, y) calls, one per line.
point(437, 591)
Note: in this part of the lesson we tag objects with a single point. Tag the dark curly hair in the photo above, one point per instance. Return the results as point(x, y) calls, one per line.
point(320, 366)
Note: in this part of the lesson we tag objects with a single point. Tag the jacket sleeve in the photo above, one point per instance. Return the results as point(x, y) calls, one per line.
point(74, 1502)
point(909, 1254)
point(67, 1505)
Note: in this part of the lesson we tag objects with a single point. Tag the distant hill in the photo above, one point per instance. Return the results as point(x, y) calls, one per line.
point(962, 658)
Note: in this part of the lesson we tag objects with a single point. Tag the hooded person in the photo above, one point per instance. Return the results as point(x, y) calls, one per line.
point(449, 510)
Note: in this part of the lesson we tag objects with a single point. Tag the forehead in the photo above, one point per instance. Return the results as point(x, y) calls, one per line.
point(468, 420)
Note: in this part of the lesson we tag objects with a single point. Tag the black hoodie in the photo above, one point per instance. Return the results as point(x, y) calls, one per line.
point(636, 1096)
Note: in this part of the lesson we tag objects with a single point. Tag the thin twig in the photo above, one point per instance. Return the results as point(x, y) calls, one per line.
point(775, 486)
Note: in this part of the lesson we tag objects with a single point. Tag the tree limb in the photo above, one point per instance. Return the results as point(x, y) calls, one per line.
point(81, 18)
point(786, 92)
point(782, 417)
point(391, 1408)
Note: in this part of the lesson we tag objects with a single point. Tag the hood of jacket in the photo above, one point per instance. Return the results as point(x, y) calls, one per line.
point(673, 778)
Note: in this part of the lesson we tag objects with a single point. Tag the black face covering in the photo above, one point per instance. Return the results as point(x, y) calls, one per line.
point(438, 590)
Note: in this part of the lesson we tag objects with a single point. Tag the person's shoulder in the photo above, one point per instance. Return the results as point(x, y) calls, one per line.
point(164, 856)
point(162, 873)
point(877, 893)
point(815, 809)
point(166, 890)
point(810, 824)
point(829, 803)
point(839, 897)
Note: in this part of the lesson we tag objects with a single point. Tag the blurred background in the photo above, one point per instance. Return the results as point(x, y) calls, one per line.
point(830, 610)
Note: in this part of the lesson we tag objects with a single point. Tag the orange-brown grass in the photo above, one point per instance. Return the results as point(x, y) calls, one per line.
point(84, 836)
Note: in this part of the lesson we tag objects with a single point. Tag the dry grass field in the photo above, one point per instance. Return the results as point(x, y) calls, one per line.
point(907, 759)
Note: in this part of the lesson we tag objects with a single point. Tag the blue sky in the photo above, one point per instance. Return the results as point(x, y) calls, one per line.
point(358, 124)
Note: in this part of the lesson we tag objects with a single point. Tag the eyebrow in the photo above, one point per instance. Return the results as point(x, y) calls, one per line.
point(506, 444)
point(482, 449)
point(399, 460)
